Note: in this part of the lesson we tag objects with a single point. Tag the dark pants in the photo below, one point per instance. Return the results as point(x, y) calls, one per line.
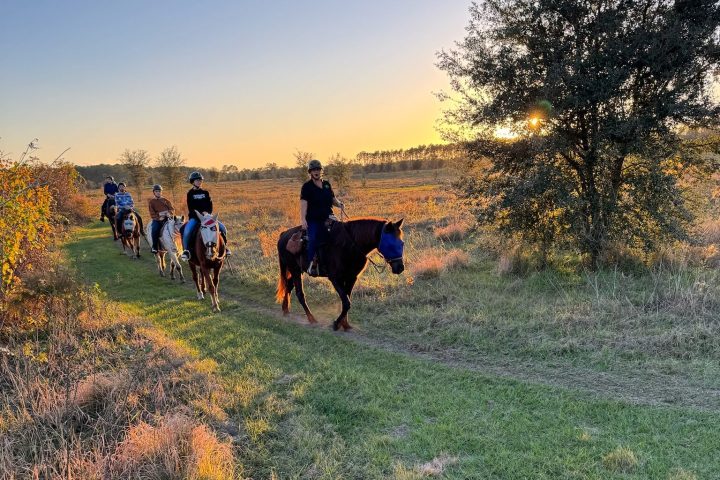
point(155, 229)
point(104, 207)
point(317, 237)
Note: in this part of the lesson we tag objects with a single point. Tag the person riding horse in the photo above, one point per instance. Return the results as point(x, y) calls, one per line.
point(123, 202)
point(198, 200)
point(160, 210)
point(316, 201)
point(110, 188)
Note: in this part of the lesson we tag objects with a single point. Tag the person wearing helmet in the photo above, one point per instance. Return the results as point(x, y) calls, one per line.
point(124, 201)
point(110, 188)
point(160, 210)
point(316, 201)
point(198, 200)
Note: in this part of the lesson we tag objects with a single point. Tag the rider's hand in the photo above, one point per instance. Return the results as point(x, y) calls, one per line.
point(341, 205)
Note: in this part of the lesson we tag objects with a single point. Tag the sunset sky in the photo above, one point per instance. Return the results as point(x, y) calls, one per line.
point(228, 82)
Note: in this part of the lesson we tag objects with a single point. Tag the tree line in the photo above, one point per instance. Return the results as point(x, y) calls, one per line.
point(170, 168)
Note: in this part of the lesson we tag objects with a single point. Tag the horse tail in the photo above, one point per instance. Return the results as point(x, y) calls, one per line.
point(285, 275)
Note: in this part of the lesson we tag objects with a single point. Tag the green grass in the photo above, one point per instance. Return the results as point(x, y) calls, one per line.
point(313, 404)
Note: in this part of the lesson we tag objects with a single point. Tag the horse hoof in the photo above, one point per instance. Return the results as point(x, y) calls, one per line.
point(335, 326)
point(347, 328)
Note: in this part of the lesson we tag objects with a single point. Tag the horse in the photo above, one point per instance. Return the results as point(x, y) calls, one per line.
point(208, 254)
point(169, 244)
point(130, 232)
point(344, 259)
point(110, 211)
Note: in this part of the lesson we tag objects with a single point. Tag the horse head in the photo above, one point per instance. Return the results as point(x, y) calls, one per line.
point(128, 222)
point(391, 245)
point(175, 222)
point(210, 234)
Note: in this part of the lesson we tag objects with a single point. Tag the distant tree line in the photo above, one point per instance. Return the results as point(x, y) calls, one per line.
point(169, 169)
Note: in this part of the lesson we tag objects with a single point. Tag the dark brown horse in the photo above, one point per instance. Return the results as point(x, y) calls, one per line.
point(110, 214)
point(130, 232)
point(208, 254)
point(344, 259)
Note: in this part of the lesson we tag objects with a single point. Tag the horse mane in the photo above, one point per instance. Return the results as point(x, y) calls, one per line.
point(364, 229)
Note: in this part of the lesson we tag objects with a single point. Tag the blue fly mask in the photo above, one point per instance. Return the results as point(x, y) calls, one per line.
point(391, 246)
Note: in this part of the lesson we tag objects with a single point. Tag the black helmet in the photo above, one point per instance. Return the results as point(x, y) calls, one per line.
point(110, 177)
point(195, 176)
point(314, 164)
point(122, 183)
point(157, 186)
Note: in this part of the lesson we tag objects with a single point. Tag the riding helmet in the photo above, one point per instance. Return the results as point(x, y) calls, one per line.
point(156, 187)
point(314, 164)
point(110, 177)
point(122, 183)
point(195, 176)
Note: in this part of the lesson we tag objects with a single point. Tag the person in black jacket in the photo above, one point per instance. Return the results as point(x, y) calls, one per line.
point(316, 201)
point(198, 199)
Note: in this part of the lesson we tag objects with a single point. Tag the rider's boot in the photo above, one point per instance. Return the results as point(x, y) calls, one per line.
point(313, 268)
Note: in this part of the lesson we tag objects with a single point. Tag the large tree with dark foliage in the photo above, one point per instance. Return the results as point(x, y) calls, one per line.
point(601, 95)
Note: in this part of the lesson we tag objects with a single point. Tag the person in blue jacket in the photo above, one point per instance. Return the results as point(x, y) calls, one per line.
point(124, 201)
point(198, 200)
point(110, 188)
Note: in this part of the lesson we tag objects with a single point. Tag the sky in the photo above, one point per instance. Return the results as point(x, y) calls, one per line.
point(228, 82)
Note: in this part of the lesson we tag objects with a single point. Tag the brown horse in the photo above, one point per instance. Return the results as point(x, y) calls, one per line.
point(344, 259)
point(130, 232)
point(208, 254)
point(110, 211)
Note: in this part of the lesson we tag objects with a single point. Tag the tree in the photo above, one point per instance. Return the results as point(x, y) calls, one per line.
point(135, 162)
point(301, 162)
point(596, 93)
point(170, 164)
point(214, 175)
point(339, 169)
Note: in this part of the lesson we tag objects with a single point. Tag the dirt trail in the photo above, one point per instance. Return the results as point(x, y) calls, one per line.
point(635, 387)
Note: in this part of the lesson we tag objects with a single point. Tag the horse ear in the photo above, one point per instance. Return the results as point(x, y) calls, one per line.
point(182, 218)
point(399, 223)
point(199, 215)
point(215, 217)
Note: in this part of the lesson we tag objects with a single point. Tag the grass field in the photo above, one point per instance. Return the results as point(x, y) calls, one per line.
point(553, 374)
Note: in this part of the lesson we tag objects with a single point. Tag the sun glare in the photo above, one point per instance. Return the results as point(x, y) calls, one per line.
point(534, 122)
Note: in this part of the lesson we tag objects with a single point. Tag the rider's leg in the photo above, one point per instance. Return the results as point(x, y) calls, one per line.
point(312, 233)
point(102, 210)
point(155, 227)
point(223, 232)
point(187, 235)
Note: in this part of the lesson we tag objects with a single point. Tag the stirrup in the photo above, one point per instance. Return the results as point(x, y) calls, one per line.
point(185, 255)
point(313, 269)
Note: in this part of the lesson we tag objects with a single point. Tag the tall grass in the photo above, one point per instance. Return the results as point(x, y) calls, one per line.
point(80, 377)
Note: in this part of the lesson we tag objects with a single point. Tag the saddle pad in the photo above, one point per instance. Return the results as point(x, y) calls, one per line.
point(294, 245)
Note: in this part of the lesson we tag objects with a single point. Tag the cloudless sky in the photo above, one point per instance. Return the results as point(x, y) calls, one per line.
point(228, 82)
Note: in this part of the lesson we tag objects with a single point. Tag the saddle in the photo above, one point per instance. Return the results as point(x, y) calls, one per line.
point(297, 242)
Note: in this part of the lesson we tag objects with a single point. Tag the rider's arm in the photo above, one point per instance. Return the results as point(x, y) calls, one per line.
point(303, 213)
point(338, 203)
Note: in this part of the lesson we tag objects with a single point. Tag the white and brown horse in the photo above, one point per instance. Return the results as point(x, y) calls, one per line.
point(129, 232)
point(208, 255)
point(170, 244)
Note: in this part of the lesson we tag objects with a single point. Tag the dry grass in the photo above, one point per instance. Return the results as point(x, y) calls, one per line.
point(76, 381)
point(453, 232)
point(433, 263)
point(177, 447)
point(621, 459)
point(514, 261)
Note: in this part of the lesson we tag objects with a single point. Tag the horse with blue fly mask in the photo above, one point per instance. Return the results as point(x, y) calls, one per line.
point(344, 260)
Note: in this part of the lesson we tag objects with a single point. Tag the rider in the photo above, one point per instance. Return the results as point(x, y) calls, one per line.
point(124, 201)
point(160, 210)
point(316, 201)
point(198, 199)
point(110, 188)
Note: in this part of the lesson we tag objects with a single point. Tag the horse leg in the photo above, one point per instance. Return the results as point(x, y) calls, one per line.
point(216, 286)
point(289, 284)
point(349, 284)
point(137, 246)
point(160, 264)
point(297, 279)
point(178, 266)
point(211, 287)
point(342, 319)
point(197, 279)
